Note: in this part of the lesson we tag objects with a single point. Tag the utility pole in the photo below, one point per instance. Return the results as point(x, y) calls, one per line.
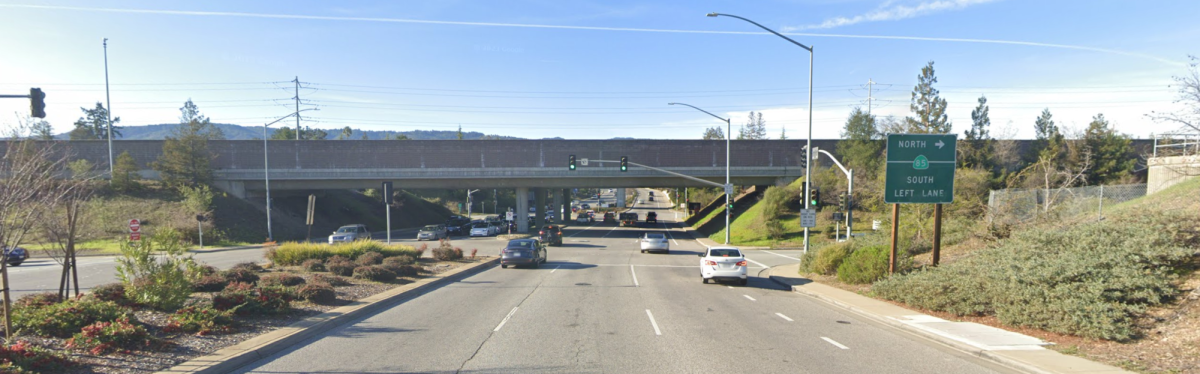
point(108, 112)
point(297, 81)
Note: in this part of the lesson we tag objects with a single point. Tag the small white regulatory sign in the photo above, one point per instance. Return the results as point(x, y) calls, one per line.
point(808, 218)
point(583, 161)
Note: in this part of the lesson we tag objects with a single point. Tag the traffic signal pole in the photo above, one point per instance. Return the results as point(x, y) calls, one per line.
point(849, 189)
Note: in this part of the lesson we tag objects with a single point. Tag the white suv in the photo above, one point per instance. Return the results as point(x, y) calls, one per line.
point(723, 263)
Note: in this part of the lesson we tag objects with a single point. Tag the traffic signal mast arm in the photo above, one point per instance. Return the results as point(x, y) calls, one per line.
point(714, 184)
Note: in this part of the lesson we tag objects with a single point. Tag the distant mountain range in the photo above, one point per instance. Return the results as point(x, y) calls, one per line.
point(239, 132)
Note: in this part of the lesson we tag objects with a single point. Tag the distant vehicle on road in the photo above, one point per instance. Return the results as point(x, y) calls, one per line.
point(349, 233)
point(583, 217)
point(652, 217)
point(551, 235)
point(651, 197)
point(585, 206)
point(481, 229)
point(523, 252)
point(432, 232)
point(15, 256)
point(723, 263)
point(655, 242)
point(609, 217)
point(628, 219)
point(457, 226)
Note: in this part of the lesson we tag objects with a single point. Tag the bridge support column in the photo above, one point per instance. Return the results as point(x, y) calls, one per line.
point(539, 214)
point(522, 210)
point(235, 188)
point(557, 206)
point(564, 206)
point(620, 194)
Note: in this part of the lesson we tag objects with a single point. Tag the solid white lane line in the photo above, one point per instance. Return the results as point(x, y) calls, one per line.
point(505, 320)
point(756, 262)
point(784, 317)
point(835, 344)
point(555, 268)
point(784, 256)
point(610, 232)
point(634, 273)
point(652, 323)
point(748, 297)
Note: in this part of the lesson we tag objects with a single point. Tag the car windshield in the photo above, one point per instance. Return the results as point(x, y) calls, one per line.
point(429, 228)
point(724, 253)
point(347, 230)
point(655, 236)
point(481, 226)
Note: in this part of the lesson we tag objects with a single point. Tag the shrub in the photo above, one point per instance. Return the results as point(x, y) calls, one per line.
point(313, 264)
point(294, 253)
point(374, 273)
point(243, 299)
point(446, 252)
point(369, 258)
point(210, 283)
point(241, 275)
point(342, 268)
point(201, 320)
point(1091, 279)
point(280, 279)
point(827, 260)
point(155, 272)
point(65, 318)
point(114, 292)
point(35, 300)
point(331, 280)
point(405, 270)
point(865, 265)
point(251, 266)
point(317, 293)
point(337, 258)
point(109, 336)
point(396, 261)
point(21, 357)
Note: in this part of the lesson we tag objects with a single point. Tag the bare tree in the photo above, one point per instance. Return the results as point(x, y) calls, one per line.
point(28, 170)
point(1189, 95)
point(62, 224)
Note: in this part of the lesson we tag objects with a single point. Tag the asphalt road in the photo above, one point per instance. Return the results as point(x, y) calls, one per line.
point(601, 306)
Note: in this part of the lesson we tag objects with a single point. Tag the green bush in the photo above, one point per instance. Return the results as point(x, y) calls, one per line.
point(114, 292)
point(369, 258)
point(317, 293)
point(404, 270)
point(110, 336)
point(241, 275)
point(343, 268)
point(374, 273)
point(827, 259)
point(399, 260)
point(155, 271)
point(251, 266)
point(210, 283)
point(280, 279)
point(35, 300)
point(313, 265)
point(65, 318)
point(201, 320)
point(865, 265)
point(295, 253)
point(244, 299)
point(22, 357)
point(331, 280)
point(1091, 279)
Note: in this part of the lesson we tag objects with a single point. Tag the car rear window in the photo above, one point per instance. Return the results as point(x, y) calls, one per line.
point(430, 228)
point(724, 253)
point(520, 244)
point(655, 236)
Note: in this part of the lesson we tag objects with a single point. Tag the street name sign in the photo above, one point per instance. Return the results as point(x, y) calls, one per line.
point(808, 218)
point(920, 168)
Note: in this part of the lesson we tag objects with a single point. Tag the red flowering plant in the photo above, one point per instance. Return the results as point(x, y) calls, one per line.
point(116, 336)
point(22, 357)
point(201, 320)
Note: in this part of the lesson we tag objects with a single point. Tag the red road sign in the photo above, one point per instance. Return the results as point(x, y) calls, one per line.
point(135, 225)
point(135, 236)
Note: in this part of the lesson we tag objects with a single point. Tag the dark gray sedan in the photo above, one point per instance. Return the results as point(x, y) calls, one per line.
point(523, 252)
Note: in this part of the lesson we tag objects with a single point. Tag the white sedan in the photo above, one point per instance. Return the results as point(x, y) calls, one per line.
point(723, 263)
point(655, 242)
point(481, 229)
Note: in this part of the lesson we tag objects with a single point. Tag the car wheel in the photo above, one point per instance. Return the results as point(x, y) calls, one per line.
point(643, 251)
point(503, 266)
point(704, 279)
point(537, 264)
point(744, 282)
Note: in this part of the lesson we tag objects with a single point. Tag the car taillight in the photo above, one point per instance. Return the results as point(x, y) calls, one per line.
point(741, 263)
point(541, 233)
point(710, 262)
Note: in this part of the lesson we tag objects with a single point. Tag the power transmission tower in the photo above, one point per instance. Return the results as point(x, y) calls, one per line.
point(297, 97)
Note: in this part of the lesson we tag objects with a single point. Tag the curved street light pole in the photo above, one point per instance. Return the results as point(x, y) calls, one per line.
point(728, 189)
point(808, 149)
point(267, 168)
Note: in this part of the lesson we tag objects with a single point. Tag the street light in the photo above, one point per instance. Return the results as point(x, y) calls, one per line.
point(728, 189)
point(808, 149)
point(267, 168)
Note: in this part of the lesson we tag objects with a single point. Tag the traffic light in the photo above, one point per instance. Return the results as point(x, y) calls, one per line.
point(624, 163)
point(842, 202)
point(571, 163)
point(815, 196)
point(37, 102)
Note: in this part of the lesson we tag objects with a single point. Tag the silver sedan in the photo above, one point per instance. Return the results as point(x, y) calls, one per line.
point(655, 242)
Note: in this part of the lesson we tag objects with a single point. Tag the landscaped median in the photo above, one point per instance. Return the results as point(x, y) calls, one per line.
point(171, 311)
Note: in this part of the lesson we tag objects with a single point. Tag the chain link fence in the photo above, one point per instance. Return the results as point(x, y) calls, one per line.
point(1017, 205)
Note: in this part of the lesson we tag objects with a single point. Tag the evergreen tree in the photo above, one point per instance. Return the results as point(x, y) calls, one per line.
point(1047, 139)
point(754, 129)
point(186, 160)
point(460, 134)
point(713, 133)
point(307, 133)
point(125, 175)
point(1111, 153)
point(94, 125)
point(347, 132)
point(977, 143)
point(927, 106)
point(863, 145)
point(783, 133)
point(40, 129)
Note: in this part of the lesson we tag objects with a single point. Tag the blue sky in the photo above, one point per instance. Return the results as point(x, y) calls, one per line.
point(595, 69)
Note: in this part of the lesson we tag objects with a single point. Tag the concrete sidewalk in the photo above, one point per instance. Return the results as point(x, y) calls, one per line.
point(1017, 351)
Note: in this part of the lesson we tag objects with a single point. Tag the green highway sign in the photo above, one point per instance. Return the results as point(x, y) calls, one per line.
point(920, 168)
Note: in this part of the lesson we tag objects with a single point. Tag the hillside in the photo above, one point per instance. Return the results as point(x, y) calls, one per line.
point(239, 132)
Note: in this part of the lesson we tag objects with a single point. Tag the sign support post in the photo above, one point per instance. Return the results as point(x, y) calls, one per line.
point(920, 170)
point(937, 234)
point(895, 236)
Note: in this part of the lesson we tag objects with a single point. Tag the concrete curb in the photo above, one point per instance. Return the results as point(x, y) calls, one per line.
point(231, 358)
point(1000, 357)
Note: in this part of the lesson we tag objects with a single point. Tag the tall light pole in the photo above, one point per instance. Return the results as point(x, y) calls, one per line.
point(267, 168)
point(808, 148)
point(108, 112)
point(728, 186)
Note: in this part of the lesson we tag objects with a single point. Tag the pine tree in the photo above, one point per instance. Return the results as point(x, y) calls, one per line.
point(713, 133)
point(1112, 154)
point(976, 147)
point(928, 108)
point(460, 134)
point(125, 173)
point(754, 129)
point(186, 160)
point(862, 148)
point(347, 132)
point(1047, 139)
point(94, 125)
point(783, 133)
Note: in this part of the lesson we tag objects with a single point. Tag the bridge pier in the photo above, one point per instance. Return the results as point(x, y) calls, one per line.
point(557, 206)
point(235, 188)
point(564, 206)
point(539, 211)
point(620, 194)
point(522, 210)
